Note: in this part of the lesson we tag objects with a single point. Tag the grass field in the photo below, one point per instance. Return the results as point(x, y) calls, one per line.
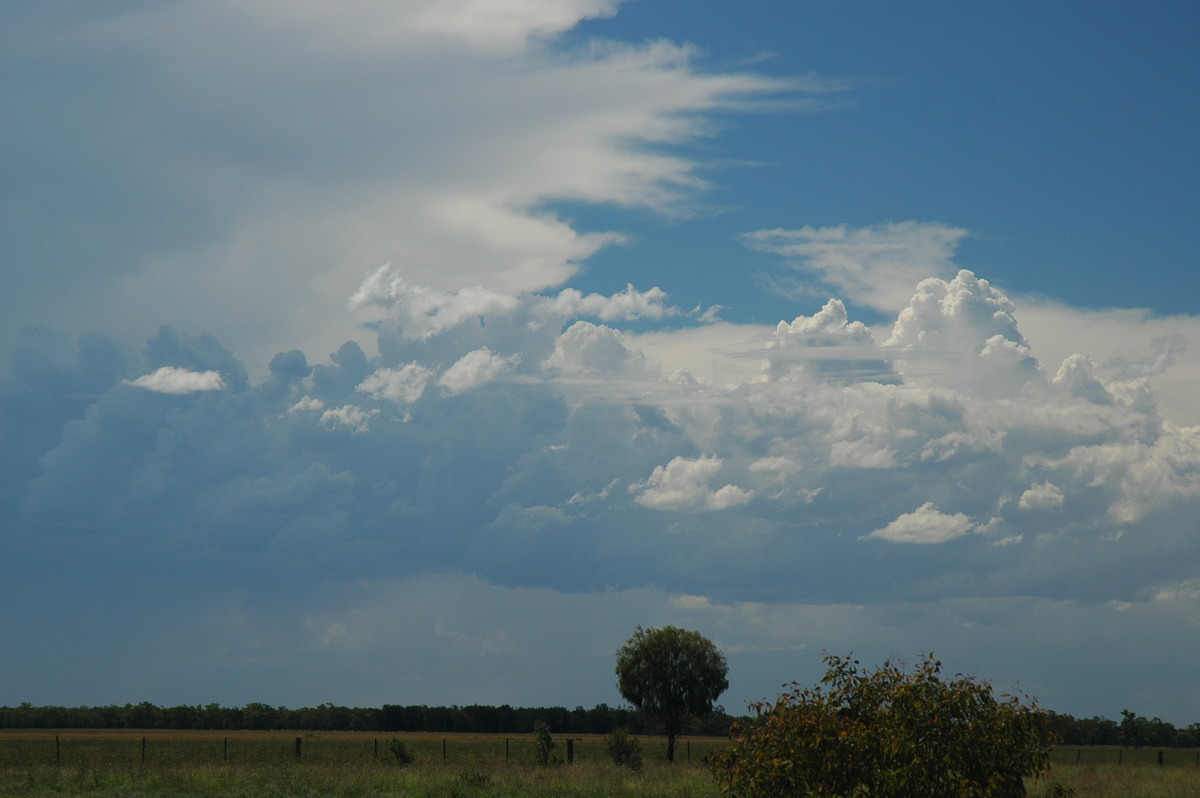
point(133, 764)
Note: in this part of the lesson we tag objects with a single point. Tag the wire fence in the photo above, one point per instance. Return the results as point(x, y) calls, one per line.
point(131, 750)
point(164, 749)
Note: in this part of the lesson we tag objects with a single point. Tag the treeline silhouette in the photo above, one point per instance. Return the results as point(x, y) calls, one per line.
point(1132, 730)
point(478, 719)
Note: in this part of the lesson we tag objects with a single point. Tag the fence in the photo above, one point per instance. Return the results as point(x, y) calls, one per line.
point(1117, 755)
point(132, 749)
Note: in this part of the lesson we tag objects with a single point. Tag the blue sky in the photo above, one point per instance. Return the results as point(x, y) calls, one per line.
point(417, 352)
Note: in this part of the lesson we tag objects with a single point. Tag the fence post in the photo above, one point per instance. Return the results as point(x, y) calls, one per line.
point(1160, 758)
point(570, 751)
point(1121, 755)
point(505, 749)
point(299, 740)
point(443, 749)
point(143, 750)
point(57, 751)
point(225, 750)
point(1078, 751)
point(376, 747)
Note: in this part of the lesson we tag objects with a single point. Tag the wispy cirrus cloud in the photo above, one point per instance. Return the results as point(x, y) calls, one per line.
point(321, 139)
point(871, 266)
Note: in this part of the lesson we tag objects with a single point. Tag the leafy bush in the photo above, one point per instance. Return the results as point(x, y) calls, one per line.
point(887, 734)
point(400, 751)
point(544, 744)
point(623, 749)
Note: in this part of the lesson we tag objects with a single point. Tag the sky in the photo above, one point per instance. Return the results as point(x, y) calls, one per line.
point(416, 352)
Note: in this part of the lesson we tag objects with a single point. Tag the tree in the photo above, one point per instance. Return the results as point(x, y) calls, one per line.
point(888, 734)
point(671, 674)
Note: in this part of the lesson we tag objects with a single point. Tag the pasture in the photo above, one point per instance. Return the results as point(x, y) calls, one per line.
point(249, 764)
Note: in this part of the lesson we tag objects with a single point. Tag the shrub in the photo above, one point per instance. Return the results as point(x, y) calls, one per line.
point(400, 751)
point(623, 749)
point(544, 744)
point(887, 734)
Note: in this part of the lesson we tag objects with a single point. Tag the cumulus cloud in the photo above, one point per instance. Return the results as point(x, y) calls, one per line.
point(926, 524)
point(683, 485)
point(474, 369)
point(961, 333)
point(354, 420)
point(169, 379)
point(404, 384)
point(590, 350)
point(557, 455)
point(1041, 496)
point(420, 312)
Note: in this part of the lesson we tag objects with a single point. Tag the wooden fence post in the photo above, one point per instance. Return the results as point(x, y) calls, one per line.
point(1160, 758)
point(57, 751)
point(443, 749)
point(299, 740)
point(143, 750)
point(225, 750)
point(570, 751)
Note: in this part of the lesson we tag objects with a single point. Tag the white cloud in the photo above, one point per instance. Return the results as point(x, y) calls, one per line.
point(628, 304)
point(426, 134)
point(961, 333)
point(420, 312)
point(354, 420)
point(1114, 338)
point(926, 524)
point(1041, 496)
point(474, 369)
point(308, 403)
point(875, 266)
point(683, 485)
point(505, 24)
point(169, 379)
point(404, 385)
point(590, 350)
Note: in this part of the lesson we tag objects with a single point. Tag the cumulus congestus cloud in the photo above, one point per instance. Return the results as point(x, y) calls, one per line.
point(526, 439)
point(953, 434)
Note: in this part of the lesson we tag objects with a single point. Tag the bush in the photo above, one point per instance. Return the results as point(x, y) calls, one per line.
point(544, 744)
point(887, 734)
point(623, 749)
point(400, 751)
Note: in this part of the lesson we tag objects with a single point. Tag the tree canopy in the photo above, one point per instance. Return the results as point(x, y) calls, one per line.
point(887, 733)
point(671, 674)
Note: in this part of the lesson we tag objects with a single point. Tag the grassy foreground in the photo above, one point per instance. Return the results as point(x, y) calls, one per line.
point(583, 780)
point(497, 780)
point(355, 765)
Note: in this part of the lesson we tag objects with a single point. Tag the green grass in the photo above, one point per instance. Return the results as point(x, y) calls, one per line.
point(482, 780)
point(346, 765)
point(1120, 781)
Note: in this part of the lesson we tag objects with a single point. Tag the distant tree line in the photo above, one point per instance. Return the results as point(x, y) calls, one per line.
point(1132, 730)
point(478, 719)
